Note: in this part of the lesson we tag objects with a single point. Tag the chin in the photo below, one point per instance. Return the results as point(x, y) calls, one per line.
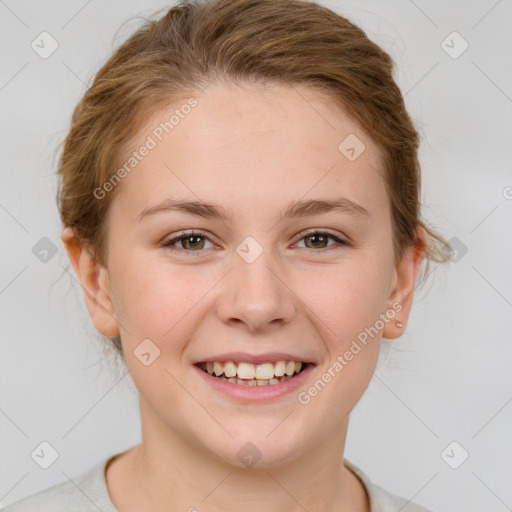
point(258, 451)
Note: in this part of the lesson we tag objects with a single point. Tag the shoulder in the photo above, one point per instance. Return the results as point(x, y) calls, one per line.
point(380, 499)
point(384, 501)
point(86, 493)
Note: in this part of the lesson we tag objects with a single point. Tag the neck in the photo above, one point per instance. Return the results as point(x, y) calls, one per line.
point(174, 473)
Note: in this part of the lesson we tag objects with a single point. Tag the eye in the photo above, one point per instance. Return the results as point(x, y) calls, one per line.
point(320, 238)
point(192, 241)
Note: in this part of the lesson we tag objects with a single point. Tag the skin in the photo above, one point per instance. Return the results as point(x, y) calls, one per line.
point(252, 151)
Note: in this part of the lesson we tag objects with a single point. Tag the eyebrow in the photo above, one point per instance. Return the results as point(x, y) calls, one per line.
point(301, 208)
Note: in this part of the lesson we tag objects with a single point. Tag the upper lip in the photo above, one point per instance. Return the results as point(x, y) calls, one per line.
point(244, 357)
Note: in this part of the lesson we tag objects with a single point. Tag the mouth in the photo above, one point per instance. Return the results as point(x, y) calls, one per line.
point(249, 374)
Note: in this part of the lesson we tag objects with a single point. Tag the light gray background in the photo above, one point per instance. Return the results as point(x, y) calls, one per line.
point(446, 379)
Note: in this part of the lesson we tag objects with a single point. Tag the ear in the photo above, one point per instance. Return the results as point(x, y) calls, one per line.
point(404, 282)
point(95, 284)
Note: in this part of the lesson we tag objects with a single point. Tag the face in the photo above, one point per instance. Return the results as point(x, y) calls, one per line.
point(255, 285)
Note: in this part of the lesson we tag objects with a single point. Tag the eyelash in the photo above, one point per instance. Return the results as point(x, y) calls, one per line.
point(169, 243)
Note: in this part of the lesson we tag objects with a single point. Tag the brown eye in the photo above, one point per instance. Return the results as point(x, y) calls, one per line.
point(317, 240)
point(190, 242)
point(320, 240)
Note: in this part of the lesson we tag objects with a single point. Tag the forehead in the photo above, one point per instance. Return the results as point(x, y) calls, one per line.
point(265, 143)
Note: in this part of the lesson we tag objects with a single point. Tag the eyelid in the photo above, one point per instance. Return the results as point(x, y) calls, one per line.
point(184, 234)
point(320, 231)
point(340, 240)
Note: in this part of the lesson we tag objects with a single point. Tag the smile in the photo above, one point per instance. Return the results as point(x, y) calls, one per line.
point(248, 374)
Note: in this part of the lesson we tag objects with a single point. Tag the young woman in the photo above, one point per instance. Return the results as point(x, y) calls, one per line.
point(239, 192)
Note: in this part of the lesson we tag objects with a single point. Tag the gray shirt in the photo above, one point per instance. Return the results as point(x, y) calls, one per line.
point(89, 493)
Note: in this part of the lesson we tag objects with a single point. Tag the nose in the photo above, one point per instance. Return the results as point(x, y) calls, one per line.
point(256, 294)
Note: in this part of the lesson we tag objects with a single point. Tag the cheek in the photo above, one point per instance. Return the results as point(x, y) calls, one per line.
point(349, 306)
point(348, 297)
point(160, 301)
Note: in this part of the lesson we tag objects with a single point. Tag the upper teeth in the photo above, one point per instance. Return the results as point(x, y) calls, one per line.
point(264, 371)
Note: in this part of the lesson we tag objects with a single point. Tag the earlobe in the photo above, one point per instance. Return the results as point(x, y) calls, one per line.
point(94, 281)
point(402, 293)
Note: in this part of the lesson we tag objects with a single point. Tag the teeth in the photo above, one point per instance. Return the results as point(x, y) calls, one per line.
point(279, 368)
point(256, 382)
point(246, 371)
point(218, 368)
point(253, 375)
point(290, 368)
point(265, 371)
point(229, 369)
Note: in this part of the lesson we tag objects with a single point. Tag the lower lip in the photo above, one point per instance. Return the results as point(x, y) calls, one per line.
point(247, 393)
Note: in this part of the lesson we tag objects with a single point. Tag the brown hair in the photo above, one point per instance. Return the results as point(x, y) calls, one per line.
point(241, 41)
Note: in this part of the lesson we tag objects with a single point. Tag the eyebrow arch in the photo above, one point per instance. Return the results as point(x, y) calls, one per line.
point(301, 208)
